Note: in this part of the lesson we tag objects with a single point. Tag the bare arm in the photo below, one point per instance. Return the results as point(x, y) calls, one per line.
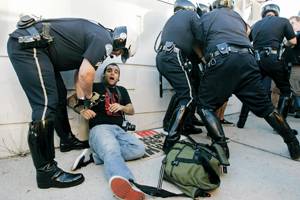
point(85, 79)
point(127, 109)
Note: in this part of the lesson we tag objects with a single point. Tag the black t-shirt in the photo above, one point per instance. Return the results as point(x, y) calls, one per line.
point(182, 28)
point(108, 96)
point(223, 25)
point(270, 31)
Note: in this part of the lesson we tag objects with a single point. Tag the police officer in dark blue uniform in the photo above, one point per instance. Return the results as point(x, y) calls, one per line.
point(232, 68)
point(193, 74)
point(38, 49)
point(173, 61)
point(267, 36)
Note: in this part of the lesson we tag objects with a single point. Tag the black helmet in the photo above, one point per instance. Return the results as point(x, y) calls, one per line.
point(223, 4)
point(202, 9)
point(125, 39)
point(184, 5)
point(270, 8)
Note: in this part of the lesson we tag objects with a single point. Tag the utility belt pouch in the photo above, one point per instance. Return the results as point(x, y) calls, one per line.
point(35, 39)
point(223, 48)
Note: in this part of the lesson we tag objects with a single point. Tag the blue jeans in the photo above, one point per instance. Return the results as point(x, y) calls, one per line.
point(111, 145)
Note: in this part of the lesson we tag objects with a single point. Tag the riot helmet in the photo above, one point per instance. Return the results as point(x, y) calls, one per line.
point(270, 8)
point(223, 4)
point(184, 5)
point(202, 9)
point(126, 40)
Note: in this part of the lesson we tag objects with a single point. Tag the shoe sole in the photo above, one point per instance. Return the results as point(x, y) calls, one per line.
point(60, 185)
point(122, 189)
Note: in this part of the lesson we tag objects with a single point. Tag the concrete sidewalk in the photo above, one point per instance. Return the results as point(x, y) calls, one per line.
point(259, 170)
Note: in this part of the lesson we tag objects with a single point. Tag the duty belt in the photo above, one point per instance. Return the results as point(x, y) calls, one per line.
point(231, 49)
point(268, 51)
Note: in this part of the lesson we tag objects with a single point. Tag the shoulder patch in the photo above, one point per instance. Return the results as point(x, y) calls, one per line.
point(108, 49)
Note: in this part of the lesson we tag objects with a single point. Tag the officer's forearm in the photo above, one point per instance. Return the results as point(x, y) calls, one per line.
point(85, 85)
point(86, 77)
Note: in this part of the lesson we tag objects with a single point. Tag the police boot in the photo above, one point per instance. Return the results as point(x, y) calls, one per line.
point(284, 104)
point(243, 116)
point(214, 129)
point(283, 129)
point(68, 141)
point(175, 129)
point(171, 107)
point(41, 145)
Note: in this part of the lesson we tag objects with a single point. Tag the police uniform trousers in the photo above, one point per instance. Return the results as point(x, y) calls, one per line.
point(236, 73)
point(36, 75)
point(170, 65)
point(276, 69)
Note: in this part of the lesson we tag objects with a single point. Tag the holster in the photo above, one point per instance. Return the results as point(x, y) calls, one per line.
point(35, 39)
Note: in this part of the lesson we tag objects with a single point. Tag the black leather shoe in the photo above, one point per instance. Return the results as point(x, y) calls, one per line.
point(190, 130)
point(294, 150)
point(52, 176)
point(72, 143)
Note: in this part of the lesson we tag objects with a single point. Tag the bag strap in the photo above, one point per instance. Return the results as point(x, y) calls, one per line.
point(157, 191)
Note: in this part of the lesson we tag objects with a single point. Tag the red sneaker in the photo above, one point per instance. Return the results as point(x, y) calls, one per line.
point(122, 189)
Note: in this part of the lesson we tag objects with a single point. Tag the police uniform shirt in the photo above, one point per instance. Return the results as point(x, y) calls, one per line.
point(108, 96)
point(222, 25)
point(182, 28)
point(270, 31)
point(75, 39)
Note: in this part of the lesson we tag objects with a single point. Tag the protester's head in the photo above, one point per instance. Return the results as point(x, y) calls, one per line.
point(111, 74)
point(125, 42)
point(223, 4)
point(270, 10)
point(184, 5)
point(295, 21)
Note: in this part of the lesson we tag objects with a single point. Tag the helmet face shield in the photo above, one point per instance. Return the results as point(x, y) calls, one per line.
point(119, 37)
point(126, 40)
point(125, 55)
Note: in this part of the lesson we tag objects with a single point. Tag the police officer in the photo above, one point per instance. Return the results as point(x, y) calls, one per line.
point(232, 68)
point(173, 61)
point(193, 74)
point(36, 50)
point(267, 35)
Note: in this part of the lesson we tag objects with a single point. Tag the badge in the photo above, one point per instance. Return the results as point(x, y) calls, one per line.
point(108, 49)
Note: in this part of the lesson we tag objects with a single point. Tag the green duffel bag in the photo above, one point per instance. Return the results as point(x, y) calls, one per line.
point(194, 169)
